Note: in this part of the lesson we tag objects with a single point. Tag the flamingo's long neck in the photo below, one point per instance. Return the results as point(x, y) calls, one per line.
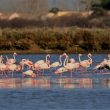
point(65, 61)
point(48, 61)
point(47, 56)
point(1, 59)
point(6, 57)
point(60, 60)
point(90, 59)
point(14, 57)
point(79, 58)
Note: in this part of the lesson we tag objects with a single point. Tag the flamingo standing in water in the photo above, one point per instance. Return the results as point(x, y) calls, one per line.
point(11, 60)
point(3, 67)
point(37, 65)
point(85, 63)
point(13, 68)
point(70, 66)
point(105, 64)
point(60, 70)
point(109, 61)
point(1, 59)
point(57, 64)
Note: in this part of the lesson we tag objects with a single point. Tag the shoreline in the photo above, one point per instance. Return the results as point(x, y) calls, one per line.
point(33, 52)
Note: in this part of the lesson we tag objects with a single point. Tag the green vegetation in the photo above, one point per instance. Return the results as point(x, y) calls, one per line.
point(49, 40)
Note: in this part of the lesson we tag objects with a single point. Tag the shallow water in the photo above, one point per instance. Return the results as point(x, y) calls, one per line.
point(88, 91)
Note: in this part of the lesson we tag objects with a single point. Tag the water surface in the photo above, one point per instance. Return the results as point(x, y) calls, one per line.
point(87, 91)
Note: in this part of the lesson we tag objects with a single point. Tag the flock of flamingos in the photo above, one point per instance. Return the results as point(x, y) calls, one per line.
point(28, 68)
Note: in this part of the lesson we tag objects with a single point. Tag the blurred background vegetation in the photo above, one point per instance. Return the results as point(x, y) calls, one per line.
point(73, 33)
point(42, 40)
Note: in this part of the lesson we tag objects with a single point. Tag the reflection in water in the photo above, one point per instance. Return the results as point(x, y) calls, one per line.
point(105, 83)
point(46, 82)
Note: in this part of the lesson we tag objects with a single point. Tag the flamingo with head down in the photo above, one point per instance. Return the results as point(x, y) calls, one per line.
point(29, 73)
point(105, 64)
point(26, 62)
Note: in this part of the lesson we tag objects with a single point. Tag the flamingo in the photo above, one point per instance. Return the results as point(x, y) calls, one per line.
point(26, 62)
point(45, 65)
point(109, 61)
point(29, 73)
point(56, 64)
point(1, 59)
point(11, 60)
point(70, 65)
point(41, 63)
point(85, 63)
point(103, 65)
point(13, 68)
point(60, 70)
point(3, 68)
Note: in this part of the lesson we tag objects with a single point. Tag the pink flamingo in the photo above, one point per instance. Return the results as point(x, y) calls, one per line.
point(13, 68)
point(39, 64)
point(1, 59)
point(11, 60)
point(45, 65)
point(26, 62)
point(109, 60)
point(3, 68)
point(104, 64)
point(70, 65)
point(56, 64)
point(60, 70)
point(29, 73)
point(85, 63)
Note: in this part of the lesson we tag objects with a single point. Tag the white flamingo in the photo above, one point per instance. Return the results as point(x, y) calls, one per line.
point(1, 59)
point(11, 60)
point(57, 63)
point(109, 61)
point(13, 68)
point(37, 65)
point(45, 65)
point(3, 68)
point(85, 63)
point(61, 70)
point(70, 66)
point(26, 62)
point(29, 73)
point(103, 65)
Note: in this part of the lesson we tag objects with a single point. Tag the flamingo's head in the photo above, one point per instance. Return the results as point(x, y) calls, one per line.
point(48, 55)
point(109, 55)
point(90, 55)
point(15, 53)
point(64, 54)
point(80, 54)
